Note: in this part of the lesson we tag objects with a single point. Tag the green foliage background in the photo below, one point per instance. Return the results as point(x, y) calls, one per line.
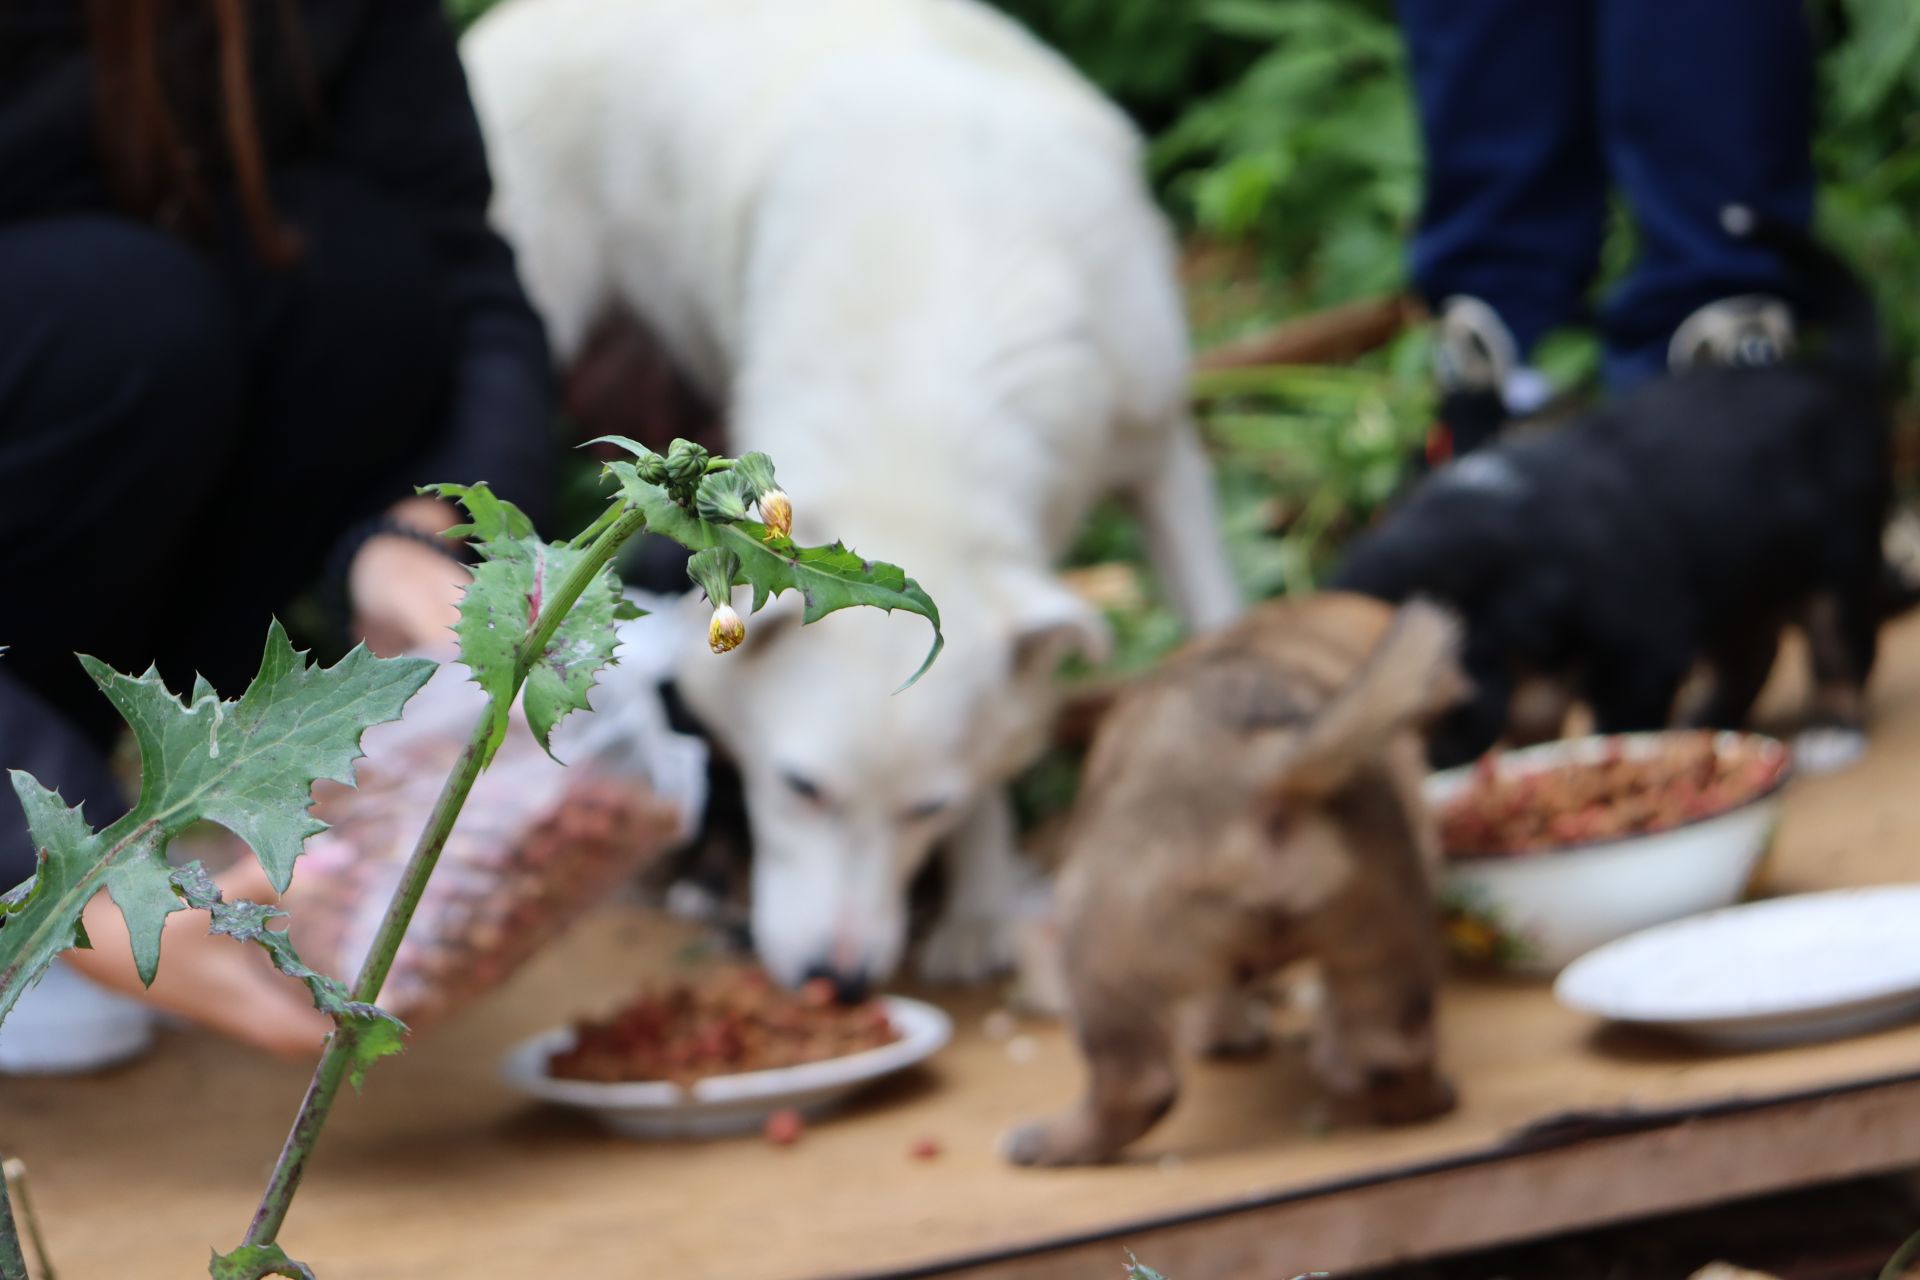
point(1284, 143)
point(1289, 123)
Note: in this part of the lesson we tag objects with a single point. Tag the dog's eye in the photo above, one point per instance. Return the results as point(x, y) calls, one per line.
point(926, 809)
point(805, 788)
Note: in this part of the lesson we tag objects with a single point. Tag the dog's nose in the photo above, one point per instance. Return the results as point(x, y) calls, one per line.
point(848, 988)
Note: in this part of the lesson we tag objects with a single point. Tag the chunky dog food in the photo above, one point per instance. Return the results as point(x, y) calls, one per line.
point(1692, 776)
point(783, 1128)
point(732, 1021)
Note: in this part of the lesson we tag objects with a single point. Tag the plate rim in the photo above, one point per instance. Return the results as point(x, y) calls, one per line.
point(1571, 978)
point(925, 1029)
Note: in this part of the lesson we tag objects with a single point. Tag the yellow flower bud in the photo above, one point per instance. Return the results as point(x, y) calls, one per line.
point(726, 631)
point(776, 512)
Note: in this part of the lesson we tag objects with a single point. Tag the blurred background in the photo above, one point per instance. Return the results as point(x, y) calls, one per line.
point(1283, 142)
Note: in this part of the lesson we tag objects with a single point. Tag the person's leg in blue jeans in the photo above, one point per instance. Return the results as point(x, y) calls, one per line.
point(1516, 187)
point(1701, 105)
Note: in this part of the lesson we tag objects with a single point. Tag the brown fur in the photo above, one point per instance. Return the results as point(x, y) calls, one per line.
point(1255, 803)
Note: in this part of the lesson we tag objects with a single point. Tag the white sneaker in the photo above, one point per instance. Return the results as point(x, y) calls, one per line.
point(66, 1024)
point(1749, 331)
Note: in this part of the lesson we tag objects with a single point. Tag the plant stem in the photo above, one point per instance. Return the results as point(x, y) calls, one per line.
point(13, 1264)
point(554, 611)
point(338, 1056)
point(599, 526)
point(1897, 1265)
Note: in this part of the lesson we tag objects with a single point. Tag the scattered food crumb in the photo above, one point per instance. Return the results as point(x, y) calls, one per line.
point(1171, 1163)
point(1023, 1049)
point(784, 1128)
point(925, 1149)
point(1000, 1025)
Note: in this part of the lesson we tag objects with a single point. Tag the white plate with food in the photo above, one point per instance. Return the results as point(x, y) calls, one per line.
point(1807, 967)
point(659, 1069)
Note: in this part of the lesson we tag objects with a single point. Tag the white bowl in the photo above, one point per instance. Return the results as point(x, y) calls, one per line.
point(731, 1104)
point(1537, 912)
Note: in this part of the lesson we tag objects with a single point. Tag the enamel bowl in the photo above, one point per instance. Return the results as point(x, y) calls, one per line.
point(732, 1104)
point(1535, 913)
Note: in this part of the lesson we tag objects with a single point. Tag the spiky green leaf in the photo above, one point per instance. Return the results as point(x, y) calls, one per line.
point(517, 576)
point(490, 518)
point(827, 578)
point(562, 676)
point(374, 1032)
point(248, 765)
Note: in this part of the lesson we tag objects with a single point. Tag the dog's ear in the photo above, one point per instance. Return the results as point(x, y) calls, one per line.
point(1051, 624)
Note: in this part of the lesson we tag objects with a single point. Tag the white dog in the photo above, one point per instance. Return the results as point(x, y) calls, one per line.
point(911, 253)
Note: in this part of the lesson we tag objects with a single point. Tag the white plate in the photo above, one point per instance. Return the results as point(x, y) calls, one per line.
point(1806, 967)
point(729, 1104)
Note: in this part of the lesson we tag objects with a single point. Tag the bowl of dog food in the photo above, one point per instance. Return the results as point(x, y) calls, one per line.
point(1554, 850)
point(726, 1052)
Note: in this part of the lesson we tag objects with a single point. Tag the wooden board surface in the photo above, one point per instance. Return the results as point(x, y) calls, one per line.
point(440, 1171)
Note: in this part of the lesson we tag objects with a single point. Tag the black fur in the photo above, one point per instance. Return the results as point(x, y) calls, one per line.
point(1690, 520)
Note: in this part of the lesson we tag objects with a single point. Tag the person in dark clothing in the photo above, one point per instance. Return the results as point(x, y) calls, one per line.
point(1532, 113)
point(248, 300)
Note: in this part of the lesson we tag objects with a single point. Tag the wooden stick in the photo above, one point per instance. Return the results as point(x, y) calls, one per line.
point(13, 1184)
point(1333, 336)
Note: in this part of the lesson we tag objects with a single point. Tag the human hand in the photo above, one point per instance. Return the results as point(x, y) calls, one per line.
point(406, 595)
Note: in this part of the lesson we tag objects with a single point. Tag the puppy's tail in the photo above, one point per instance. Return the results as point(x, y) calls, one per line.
point(1838, 302)
point(1411, 676)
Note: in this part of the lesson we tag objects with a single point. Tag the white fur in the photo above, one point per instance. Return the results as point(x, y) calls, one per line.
point(911, 252)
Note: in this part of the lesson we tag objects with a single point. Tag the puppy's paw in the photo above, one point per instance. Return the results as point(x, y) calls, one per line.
point(1042, 1145)
point(1828, 750)
point(1407, 1096)
point(1026, 1146)
point(964, 950)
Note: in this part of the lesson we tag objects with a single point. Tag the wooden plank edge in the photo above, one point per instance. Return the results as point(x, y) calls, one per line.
point(1568, 1174)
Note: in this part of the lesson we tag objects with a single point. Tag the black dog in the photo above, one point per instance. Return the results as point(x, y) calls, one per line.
point(1686, 523)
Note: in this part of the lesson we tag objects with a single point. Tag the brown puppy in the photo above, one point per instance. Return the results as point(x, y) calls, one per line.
point(1255, 803)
